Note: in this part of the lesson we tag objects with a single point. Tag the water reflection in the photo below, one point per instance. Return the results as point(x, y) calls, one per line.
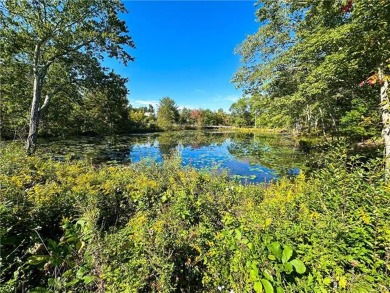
point(248, 157)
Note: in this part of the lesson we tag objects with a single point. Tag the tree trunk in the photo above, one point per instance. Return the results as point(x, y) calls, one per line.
point(385, 120)
point(308, 119)
point(255, 120)
point(322, 122)
point(34, 114)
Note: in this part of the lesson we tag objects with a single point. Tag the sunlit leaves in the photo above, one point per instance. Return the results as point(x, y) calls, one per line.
point(307, 59)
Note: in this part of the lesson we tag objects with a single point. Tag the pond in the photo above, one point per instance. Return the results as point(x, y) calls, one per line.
point(250, 158)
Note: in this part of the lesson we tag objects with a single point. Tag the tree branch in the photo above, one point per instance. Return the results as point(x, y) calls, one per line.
point(74, 49)
point(45, 103)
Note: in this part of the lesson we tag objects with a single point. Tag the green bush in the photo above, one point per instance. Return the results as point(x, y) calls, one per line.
point(75, 227)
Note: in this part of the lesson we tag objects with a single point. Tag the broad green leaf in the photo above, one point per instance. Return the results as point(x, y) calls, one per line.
point(88, 279)
point(288, 268)
point(267, 286)
point(299, 266)
point(287, 253)
point(275, 249)
point(279, 290)
point(268, 276)
point(254, 274)
point(258, 287)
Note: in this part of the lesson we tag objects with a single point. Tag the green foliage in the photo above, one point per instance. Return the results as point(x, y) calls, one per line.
point(71, 226)
point(360, 122)
point(240, 113)
point(51, 52)
point(167, 114)
point(14, 105)
point(304, 65)
point(143, 119)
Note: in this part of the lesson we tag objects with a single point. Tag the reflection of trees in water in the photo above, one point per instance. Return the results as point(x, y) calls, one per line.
point(193, 139)
point(274, 152)
point(167, 143)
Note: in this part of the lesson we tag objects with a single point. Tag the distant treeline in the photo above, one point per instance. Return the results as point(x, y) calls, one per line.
point(104, 110)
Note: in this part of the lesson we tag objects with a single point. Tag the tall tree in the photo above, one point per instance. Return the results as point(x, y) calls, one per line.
point(240, 112)
point(167, 113)
point(311, 56)
point(69, 34)
point(371, 53)
point(106, 106)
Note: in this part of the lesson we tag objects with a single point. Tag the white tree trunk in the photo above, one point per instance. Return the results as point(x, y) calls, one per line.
point(34, 113)
point(385, 107)
point(322, 122)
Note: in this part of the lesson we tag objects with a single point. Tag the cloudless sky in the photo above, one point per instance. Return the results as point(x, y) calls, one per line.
point(185, 50)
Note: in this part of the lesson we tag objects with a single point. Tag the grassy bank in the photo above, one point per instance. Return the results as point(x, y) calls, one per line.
point(76, 227)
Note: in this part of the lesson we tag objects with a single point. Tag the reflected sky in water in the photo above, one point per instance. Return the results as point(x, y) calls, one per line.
point(249, 158)
point(211, 157)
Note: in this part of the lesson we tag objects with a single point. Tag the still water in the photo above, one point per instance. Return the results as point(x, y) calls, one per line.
point(250, 158)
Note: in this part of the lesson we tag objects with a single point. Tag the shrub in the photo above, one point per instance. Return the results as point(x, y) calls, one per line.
point(71, 226)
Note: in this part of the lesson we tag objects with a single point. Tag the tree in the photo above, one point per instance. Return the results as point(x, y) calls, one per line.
point(61, 35)
point(371, 52)
point(151, 111)
point(240, 113)
point(167, 113)
point(196, 115)
point(309, 57)
point(106, 106)
point(221, 117)
point(185, 117)
point(14, 80)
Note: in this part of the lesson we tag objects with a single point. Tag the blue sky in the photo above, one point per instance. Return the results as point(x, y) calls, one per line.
point(185, 50)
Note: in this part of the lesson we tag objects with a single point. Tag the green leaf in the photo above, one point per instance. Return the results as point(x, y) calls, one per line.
point(267, 286)
point(287, 253)
point(275, 249)
point(279, 290)
point(299, 266)
point(268, 276)
point(238, 234)
point(79, 244)
point(271, 257)
point(72, 282)
point(254, 274)
point(37, 259)
point(81, 272)
point(258, 287)
point(81, 222)
point(288, 268)
point(88, 279)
